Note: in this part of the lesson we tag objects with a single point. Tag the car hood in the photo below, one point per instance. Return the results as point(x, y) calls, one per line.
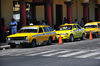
point(63, 31)
point(22, 34)
point(90, 29)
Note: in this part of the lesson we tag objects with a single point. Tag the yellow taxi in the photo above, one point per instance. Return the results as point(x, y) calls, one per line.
point(32, 36)
point(93, 27)
point(70, 32)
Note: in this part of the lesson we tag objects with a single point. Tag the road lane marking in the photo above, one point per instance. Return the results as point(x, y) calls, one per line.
point(88, 55)
point(18, 54)
point(97, 57)
point(41, 53)
point(51, 54)
point(98, 43)
point(72, 54)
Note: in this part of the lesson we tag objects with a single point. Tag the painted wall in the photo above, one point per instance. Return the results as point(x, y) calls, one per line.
point(59, 2)
point(7, 11)
point(92, 10)
point(77, 10)
point(40, 13)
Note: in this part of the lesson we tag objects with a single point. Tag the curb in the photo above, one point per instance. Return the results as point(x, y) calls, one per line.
point(4, 47)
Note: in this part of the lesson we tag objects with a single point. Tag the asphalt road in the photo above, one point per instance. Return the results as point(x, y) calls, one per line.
point(78, 53)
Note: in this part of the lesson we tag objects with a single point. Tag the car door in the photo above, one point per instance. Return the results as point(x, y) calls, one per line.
point(46, 33)
point(40, 37)
point(75, 31)
point(99, 28)
point(79, 31)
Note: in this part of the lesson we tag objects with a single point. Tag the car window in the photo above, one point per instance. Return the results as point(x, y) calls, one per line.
point(74, 26)
point(45, 29)
point(28, 30)
point(79, 27)
point(66, 27)
point(40, 30)
point(50, 29)
point(99, 25)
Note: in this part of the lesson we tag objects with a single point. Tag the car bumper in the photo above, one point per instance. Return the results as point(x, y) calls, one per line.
point(88, 33)
point(62, 36)
point(18, 42)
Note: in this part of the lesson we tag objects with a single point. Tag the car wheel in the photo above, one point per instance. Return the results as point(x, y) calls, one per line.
point(33, 43)
point(49, 41)
point(71, 38)
point(83, 37)
point(96, 35)
point(12, 45)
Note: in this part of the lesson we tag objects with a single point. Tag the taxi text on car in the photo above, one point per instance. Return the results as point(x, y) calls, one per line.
point(70, 32)
point(32, 36)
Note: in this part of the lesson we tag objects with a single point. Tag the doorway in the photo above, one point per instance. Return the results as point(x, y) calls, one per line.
point(96, 14)
point(58, 14)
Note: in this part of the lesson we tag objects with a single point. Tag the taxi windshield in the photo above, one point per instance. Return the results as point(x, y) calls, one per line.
point(28, 30)
point(67, 27)
point(90, 26)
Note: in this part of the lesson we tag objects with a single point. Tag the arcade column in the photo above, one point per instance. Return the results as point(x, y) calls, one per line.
point(23, 12)
point(69, 11)
point(85, 11)
point(0, 8)
point(49, 12)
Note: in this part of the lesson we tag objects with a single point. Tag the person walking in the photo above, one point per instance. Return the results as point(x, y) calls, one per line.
point(82, 22)
point(13, 25)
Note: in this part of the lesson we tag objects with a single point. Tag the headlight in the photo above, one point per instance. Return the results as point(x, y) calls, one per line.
point(26, 38)
point(8, 38)
point(64, 33)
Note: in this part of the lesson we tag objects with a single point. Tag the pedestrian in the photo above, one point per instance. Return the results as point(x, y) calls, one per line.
point(65, 20)
point(43, 22)
point(13, 25)
point(35, 21)
point(76, 21)
point(82, 22)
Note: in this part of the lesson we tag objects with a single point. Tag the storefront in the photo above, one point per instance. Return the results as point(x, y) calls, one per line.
point(52, 11)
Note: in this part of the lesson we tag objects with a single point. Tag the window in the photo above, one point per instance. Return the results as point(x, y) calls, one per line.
point(40, 30)
point(78, 27)
point(74, 26)
point(50, 29)
point(46, 29)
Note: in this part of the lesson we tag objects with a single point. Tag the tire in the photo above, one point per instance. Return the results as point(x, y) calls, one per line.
point(33, 43)
point(71, 38)
point(96, 35)
point(12, 45)
point(83, 37)
point(49, 41)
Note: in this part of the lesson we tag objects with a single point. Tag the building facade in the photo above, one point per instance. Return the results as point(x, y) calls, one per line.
point(53, 11)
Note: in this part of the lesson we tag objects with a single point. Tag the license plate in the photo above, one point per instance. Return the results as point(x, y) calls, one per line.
point(17, 42)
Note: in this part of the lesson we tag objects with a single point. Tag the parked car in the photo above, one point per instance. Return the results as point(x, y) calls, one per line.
point(93, 27)
point(70, 32)
point(32, 36)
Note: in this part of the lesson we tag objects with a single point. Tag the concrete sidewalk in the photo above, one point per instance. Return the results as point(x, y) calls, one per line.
point(4, 46)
